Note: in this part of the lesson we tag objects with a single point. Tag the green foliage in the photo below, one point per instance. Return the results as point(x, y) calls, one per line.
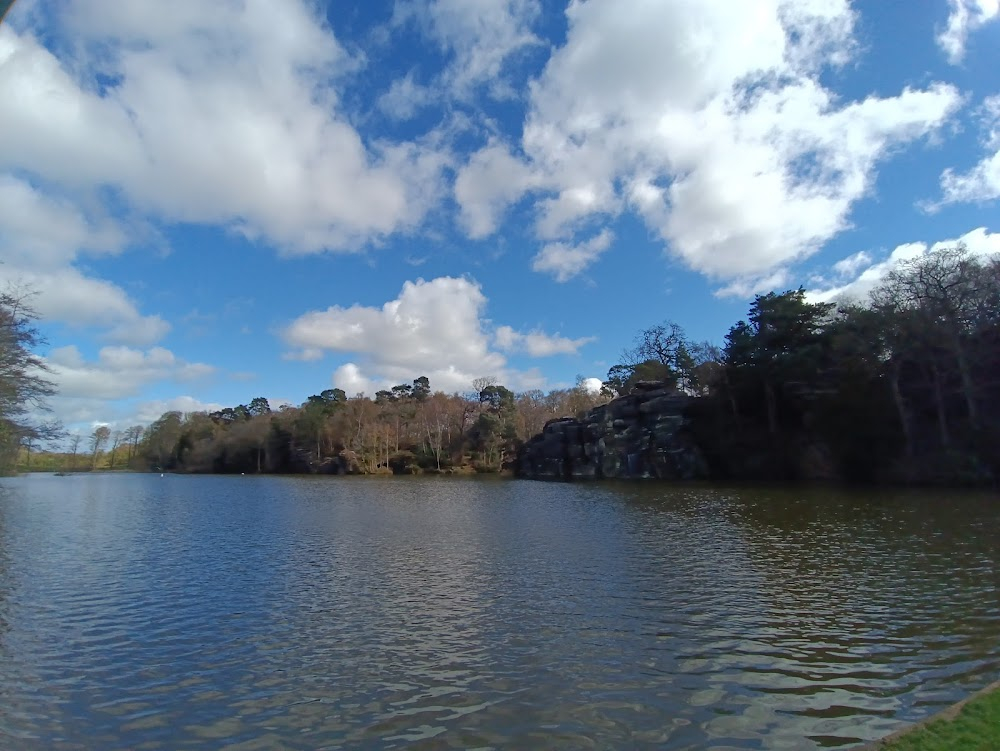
point(259, 406)
point(779, 354)
point(421, 388)
point(163, 441)
point(498, 399)
point(661, 353)
point(903, 388)
point(404, 430)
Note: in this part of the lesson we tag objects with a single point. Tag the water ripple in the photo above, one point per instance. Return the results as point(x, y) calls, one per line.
point(257, 613)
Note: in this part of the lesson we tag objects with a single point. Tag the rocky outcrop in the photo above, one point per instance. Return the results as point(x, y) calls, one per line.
point(642, 435)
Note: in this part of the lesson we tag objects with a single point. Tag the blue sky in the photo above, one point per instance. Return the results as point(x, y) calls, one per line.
point(215, 201)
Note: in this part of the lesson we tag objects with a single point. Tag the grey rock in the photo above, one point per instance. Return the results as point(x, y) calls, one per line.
point(642, 435)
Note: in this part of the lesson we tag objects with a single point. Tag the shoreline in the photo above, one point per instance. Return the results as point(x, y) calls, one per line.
point(467, 472)
point(946, 716)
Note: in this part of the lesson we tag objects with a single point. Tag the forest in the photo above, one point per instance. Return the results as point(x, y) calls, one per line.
point(902, 387)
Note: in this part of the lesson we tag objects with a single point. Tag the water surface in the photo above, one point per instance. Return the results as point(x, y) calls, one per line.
point(142, 612)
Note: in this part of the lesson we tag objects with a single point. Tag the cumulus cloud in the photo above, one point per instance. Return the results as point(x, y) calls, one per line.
point(853, 278)
point(405, 98)
point(564, 260)
point(433, 328)
point(487, 184)
point(223, 113)
point(538, 343)
point(95, 390)
point(220, 113)
point(118, 372)
point(710, 121)
point(41, 237)
point(748, 286)
point(149, 411)
point(44, 231)
point(81, 415)
point(964, 17)
point(67, 295)
point(982, 182)
point(481, 38)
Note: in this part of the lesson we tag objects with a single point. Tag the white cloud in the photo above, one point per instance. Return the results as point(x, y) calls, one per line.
point(965, 16)
point(98, 390)
point(852, 264)
point(350, 378)
point(710, 121)
point(119, 372)
point(80, 414)
point(405, 98)
point(67, 295)
point(538, 343)
point(748, 286)
point(433, 328)
point(982, 182)
point(856, 276)
point(46, 232)
point(481, 38)
point(592, 385)
point(487, 184)
point(41, 236)
point(223, 113)
point(149, 411)
point(564, 260)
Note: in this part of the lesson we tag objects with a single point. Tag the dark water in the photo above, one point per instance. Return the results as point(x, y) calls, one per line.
point(264, 613)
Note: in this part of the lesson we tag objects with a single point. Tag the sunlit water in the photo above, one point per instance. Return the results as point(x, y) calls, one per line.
point(143, 612)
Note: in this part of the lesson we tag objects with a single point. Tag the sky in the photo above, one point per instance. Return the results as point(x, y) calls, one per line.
point(217, 201)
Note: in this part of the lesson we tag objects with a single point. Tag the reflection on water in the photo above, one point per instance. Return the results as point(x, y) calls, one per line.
point(143, 612)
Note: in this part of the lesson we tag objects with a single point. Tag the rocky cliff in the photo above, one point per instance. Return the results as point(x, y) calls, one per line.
point(642, 435)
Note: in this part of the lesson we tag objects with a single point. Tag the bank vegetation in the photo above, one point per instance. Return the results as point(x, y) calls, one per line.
point(903, 387)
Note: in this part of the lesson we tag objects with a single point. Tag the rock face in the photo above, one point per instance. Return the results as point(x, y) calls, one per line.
point(642, 435)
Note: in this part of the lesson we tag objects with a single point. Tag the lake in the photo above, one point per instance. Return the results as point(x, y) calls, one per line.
point(143, 612)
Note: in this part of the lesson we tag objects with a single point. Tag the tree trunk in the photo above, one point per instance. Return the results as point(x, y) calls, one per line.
point(939, 404)
point(904, 419)
point(732, 397)
point(968, 389)
point(772, 408)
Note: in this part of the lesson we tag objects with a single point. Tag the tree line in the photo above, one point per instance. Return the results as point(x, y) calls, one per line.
point(406, 429)
point(903, 387)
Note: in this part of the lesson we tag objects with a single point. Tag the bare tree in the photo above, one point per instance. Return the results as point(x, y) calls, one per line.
point(116, 440)
point(99, 437)
point(74, 447)
point(134, 435)
point(23, 386)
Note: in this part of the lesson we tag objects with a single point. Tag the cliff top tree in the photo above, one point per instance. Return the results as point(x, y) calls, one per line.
point(661, 353)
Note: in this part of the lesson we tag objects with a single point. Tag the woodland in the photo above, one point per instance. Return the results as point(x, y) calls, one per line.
point(902, 387)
